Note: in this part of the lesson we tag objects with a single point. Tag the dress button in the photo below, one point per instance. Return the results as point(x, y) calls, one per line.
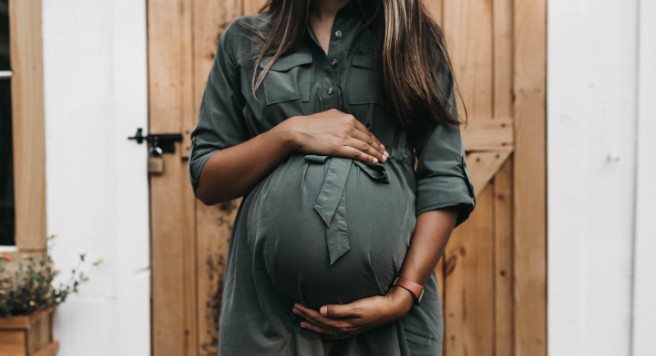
point(333, 62)
point(338, 33)
point(330, 91)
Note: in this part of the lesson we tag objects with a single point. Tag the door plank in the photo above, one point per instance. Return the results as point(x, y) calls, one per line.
point(494, 134)
point(483, 166)
point(469, 34)
point(503, 63)
point(252, 6)
point(434, 8)
point(469, 313)
point(172, 219)
point(503, 268)
point(530, 177)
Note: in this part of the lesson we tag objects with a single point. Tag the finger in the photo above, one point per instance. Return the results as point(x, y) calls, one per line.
point(318, 329)
point(374, 144)
point(314, 317)
point(354, 153)
point(360, 126)
point(364, 147)
point(340, 311)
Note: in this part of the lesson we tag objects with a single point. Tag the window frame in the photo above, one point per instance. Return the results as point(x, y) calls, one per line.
point(28, 126)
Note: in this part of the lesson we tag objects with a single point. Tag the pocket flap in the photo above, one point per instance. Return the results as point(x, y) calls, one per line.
point(287, 62)
point(363, 61)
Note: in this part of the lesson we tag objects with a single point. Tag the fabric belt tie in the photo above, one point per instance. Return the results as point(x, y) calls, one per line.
point(331, 203)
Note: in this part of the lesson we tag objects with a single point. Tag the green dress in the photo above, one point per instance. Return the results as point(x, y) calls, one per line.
point(320, 229)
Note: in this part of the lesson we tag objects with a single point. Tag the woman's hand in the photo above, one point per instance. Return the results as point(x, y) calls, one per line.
point(341, 321)
point(333, 133)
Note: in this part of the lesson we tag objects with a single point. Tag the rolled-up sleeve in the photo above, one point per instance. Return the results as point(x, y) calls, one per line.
point(220, 120)
point(442, 175)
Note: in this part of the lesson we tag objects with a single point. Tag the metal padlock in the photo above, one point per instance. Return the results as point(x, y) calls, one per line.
point(155, 161)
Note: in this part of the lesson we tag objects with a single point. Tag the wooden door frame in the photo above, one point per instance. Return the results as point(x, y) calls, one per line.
point(28, 125)
point(530, 177)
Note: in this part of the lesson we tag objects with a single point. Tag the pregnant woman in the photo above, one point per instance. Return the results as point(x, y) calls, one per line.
point(316, 112)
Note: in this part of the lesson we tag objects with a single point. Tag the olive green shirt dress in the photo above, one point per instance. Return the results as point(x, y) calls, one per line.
point(320, 229)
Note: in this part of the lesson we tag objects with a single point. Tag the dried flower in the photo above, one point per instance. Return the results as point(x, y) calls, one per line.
point(28, 285)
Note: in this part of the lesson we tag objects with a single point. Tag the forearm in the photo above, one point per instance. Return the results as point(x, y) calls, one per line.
point(232, 172)
point(432, 232)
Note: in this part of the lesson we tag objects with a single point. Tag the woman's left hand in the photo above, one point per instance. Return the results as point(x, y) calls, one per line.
point(341, 321)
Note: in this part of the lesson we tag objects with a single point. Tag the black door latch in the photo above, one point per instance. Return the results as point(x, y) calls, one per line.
point(165, 142)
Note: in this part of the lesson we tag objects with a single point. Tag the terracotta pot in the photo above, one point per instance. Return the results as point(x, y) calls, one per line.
point(29, 335)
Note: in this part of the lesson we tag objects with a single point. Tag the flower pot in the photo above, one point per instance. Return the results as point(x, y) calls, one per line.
point(29, 335)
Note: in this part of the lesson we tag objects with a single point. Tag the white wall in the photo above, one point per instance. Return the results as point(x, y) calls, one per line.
point(644, 293)
point(595, 90)
point(97, 188)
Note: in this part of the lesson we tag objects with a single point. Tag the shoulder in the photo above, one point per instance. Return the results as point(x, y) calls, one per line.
point(243, 28)
point(241, 33)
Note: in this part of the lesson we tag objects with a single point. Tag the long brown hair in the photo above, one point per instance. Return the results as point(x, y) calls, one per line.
point(412, 50)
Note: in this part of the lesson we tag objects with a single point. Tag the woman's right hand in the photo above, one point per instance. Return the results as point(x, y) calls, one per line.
point(333, 133)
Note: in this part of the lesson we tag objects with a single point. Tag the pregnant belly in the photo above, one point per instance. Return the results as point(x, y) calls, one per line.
point(331, 229)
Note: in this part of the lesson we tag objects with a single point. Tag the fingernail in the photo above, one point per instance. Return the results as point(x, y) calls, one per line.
point(323, 310)
point(381, 145)
point(303, 325)
point(375, 160)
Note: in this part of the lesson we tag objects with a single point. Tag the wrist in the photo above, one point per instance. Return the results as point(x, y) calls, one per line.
point(402, 298)
point(286, 134)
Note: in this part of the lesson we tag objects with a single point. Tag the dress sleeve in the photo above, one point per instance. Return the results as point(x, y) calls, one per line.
point(220, 121)
point(442, 175)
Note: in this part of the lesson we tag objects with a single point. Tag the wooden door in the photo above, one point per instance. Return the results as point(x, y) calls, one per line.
point(493, 276)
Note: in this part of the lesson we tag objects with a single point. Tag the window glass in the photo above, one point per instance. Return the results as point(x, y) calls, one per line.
point(7, 221)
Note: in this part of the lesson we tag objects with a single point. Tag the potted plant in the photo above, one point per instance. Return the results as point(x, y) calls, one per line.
point(28, 298)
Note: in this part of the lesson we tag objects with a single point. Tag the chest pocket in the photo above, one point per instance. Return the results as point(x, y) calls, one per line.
point(288, 79)
point(366, 86)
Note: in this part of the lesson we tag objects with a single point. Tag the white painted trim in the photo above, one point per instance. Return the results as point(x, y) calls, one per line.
point(592, 56)
point(8, 249)
point(644, 290)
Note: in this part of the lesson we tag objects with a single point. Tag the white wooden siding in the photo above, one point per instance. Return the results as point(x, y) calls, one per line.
point(97, 188)
point(599, 99)
point(644, 291)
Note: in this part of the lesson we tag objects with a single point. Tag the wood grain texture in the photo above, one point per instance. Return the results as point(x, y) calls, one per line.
point(484, 165)
point(495, 134)
point(469, 302)
point(28, 129)
point(28, 335)
point(503, 58)
point(469, 34)
point(172, 215)
point(530, 177)
point(435, 9)
point(252, 6)
point(13, 343)
point(504, 326)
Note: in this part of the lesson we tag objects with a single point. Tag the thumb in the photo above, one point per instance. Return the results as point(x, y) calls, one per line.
point(337, 311)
